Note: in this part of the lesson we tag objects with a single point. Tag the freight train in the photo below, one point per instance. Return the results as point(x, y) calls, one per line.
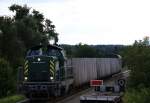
point(46, 72)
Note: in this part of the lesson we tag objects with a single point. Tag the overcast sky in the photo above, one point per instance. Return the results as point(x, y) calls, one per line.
point(93, 21)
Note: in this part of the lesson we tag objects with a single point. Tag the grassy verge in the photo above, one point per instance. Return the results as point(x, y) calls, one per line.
point(12, 99)
point(137, 96)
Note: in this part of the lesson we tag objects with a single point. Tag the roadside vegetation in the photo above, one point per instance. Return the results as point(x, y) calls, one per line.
point(137, 59)
point(12, 99)
point(137, 96)
point(7, 83)
point(26, 28)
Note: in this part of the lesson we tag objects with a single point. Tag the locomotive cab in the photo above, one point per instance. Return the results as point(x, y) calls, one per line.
point(45, 73)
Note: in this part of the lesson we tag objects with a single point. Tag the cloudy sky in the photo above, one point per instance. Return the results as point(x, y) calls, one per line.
point(93, 21)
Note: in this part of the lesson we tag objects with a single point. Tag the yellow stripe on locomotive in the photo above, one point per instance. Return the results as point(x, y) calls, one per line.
point(52, 68)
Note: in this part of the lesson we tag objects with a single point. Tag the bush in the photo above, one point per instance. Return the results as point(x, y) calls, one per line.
point(6, 78)
point(137, 96)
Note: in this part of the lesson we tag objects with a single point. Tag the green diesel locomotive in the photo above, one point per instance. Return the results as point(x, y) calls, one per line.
point(45, 73)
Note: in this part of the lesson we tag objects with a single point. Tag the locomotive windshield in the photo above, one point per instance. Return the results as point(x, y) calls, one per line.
point(35, 52)
point(47, 51)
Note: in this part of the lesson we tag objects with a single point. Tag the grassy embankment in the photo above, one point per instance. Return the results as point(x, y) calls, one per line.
point(12, 99)
point(137, 96)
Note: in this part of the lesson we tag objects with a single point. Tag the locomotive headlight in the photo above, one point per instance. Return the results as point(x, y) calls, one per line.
point(39, 59)
point(25, 78)
point(51, 78)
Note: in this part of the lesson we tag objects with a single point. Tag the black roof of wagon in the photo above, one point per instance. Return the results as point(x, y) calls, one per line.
point(48, 46)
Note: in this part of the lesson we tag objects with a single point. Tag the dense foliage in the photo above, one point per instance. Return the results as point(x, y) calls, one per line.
point(6, 78)
point(25, 29)
point(137, 59)
point(22, 31)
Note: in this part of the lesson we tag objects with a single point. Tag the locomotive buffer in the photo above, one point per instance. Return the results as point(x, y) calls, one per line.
point(104, 93)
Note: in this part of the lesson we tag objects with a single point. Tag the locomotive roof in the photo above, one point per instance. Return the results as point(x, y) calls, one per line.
point(48, 46)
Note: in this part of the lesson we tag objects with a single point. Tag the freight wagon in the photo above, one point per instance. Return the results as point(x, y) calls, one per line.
point(47, 72)
point(86, 69)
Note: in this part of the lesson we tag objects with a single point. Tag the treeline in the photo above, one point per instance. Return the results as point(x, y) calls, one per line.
point(92, 51)
point(137, 59)
point(27, 27)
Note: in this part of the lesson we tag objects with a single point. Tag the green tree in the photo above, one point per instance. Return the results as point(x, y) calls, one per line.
point(83, 50)
point(50, 30)
point(32, 27)
point(26, 29)
point(20, 11)
point(11, 46)
point(137, 58)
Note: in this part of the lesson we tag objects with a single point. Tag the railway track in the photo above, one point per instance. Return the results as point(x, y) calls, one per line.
point(24, 101)
point(62, 99)
point(73, 96)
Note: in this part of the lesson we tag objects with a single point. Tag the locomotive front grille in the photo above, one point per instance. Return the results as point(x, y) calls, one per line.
point(39, 72)
point(39, 69)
